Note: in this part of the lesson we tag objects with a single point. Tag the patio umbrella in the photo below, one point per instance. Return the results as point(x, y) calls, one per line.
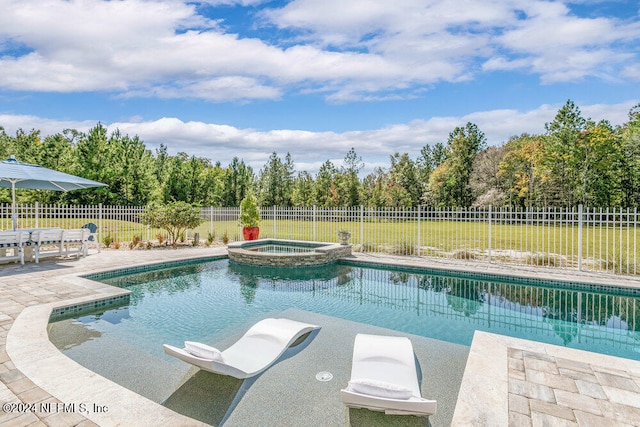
point(15, 174)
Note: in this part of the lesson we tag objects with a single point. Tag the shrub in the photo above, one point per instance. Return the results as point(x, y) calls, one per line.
point(174, 217)
point(464, 254)
point(107, 239)
point(541, 260)
point(225, 238)
point(135, 242)
point(210, 238)
point(368, 247)
point(160, 237)
point(404, 248)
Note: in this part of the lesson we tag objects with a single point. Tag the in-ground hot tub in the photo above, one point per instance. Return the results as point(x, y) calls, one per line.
point(286, 253)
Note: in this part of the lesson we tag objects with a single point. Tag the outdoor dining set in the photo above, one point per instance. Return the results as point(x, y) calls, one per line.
point(31, 245)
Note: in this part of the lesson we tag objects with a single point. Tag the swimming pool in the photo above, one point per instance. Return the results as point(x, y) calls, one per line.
point(200, 301)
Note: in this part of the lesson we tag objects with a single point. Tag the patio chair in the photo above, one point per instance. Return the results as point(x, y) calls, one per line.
point(93, 236)
point(47, 242)
point(252, 354)
point(14, 241)
point(75, 241)
point(384, 377)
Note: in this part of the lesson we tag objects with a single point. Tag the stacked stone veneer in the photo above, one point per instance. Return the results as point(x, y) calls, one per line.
point(323, 253)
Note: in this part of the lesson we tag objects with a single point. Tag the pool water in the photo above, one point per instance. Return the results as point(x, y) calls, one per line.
point(280, 249)
point(199, 302)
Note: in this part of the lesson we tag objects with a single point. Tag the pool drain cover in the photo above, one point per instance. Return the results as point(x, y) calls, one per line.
point(324, 376)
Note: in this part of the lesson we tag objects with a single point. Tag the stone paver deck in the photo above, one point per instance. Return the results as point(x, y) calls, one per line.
point(515, 382)
point(507, 381)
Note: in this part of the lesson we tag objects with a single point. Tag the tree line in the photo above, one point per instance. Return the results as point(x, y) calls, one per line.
point(575, 161)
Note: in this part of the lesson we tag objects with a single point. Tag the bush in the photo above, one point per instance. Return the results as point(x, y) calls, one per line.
point(404, 248)
point(210, 238)
point(541, 260)
point(174, 217)
point(107, 239)
point(464, 254)
point(135, 242)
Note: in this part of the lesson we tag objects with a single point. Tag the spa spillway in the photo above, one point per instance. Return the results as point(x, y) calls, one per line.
point(286, 253)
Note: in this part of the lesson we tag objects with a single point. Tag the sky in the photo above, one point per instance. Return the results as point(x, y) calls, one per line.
point(315, 78)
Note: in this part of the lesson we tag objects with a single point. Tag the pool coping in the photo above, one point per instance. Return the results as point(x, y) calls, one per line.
point(495, 372)
point(30, 350)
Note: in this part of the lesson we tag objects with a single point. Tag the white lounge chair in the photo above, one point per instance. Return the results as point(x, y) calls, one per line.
point(253, 353)
point(384, 377)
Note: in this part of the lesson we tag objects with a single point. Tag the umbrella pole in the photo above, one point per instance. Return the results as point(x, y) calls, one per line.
point(14, 215)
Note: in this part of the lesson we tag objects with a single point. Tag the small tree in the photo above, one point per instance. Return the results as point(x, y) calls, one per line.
point(249, 213)
point(174, 217)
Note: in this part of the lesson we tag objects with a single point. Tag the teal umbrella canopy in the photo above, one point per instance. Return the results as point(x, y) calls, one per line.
point(15, 174)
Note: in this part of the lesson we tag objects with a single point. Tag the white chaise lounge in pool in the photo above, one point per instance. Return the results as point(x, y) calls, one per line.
point(254, 352)
point(384, 377)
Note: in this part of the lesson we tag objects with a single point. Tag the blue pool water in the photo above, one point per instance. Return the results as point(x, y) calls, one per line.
point(201, 301)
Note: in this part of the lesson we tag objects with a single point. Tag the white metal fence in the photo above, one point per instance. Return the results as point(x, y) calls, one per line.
point(593, 239)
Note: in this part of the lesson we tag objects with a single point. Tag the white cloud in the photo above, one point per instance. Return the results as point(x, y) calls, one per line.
point(310, 149)
point(11, 123)
point(345, 49)
point(560, 47)
point(632, 72)
point(543, 37)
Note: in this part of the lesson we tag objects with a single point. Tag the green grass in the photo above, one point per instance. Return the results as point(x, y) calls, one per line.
point(609, 249)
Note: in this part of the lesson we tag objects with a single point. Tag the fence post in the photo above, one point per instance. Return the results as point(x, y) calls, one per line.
point(419, 215)
point(210, 221)
point(275, 229)
point(579, 237)
point(361, 226)
point(148, 227)
point(36, 213)
point(489, 232)
point(635, 241)
point(99, 223)
point(315, 226)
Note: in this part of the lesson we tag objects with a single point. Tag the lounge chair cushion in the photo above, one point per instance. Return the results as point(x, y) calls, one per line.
point(379, 388)
point(383, 366)
point(203, 351)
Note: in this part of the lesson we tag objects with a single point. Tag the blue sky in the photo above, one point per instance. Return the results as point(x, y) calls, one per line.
point(224, 78)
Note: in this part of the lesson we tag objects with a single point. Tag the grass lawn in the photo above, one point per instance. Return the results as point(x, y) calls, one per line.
point(611, 248)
